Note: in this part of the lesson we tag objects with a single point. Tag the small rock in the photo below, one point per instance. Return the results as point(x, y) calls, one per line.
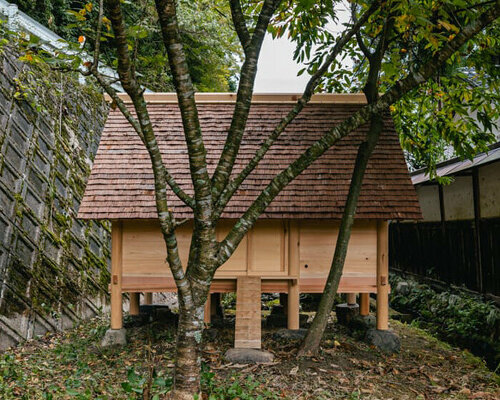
point(402, 288)
point(386, 341)
point(248, 356)
point(290, 334)
point(114, 337)
point(362, 323)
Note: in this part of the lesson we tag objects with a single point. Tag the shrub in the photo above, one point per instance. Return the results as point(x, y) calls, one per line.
point(458, 317)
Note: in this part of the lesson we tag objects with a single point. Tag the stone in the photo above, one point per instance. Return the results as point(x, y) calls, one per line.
point(362, 322)
point(402, 288)
point(249, 356)
point(114, 337)
point(386, 341)
point(290, 334)
point(345, 312)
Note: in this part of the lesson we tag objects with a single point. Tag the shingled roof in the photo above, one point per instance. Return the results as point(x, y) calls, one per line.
point(121, 183)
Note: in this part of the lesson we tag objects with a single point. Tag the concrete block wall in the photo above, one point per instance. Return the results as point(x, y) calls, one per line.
point(53, 267)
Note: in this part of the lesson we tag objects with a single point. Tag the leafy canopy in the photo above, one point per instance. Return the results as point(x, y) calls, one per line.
point(211, 45)
point(454, 113)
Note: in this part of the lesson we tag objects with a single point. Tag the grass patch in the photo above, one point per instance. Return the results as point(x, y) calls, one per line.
point(71, 365)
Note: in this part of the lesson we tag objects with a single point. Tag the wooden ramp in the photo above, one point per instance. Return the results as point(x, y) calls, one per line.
point(248, 313)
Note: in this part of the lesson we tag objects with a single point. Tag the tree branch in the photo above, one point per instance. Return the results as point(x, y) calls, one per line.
point(301, 103)
point(97, 46)
point(199, 273)
point(239, 24)
point(315, 332)
point(133, 89)
point(183, 196)
point(243, 100)
point(398, 90)
point(185, 94)
point(359, 39)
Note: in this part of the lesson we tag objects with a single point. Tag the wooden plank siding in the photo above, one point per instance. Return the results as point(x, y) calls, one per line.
point(286, 255)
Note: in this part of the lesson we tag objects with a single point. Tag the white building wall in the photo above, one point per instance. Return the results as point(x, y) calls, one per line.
point(489, 190)
point(428, 197)
point(458, 199)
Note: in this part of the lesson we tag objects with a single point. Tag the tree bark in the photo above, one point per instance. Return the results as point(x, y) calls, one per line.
point(315, 332)
point(316, 150)
point(188, 352)
point(206, 254)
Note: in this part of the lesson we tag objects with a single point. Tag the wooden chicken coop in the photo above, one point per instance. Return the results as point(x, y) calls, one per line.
point(290, 248)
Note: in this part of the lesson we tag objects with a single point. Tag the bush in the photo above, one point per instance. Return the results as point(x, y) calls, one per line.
point(460, 318)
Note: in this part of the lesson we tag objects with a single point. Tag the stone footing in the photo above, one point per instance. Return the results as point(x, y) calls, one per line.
point(345, 312)
point(249, 356)
point(386, 341)
point(114, 337)
point(362, 322)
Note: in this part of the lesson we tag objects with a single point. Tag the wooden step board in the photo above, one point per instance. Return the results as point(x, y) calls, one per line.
point(248, 313)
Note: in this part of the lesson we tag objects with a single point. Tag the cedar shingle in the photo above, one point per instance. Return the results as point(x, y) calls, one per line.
point(121, 183)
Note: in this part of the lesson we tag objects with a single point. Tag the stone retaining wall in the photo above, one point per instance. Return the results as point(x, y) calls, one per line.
point(53, 268)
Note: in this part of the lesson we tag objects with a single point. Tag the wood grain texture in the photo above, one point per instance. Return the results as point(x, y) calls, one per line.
point(247, 332)
point(134, 303)
point(116, 276)
point(383, 275)
point(276, 251)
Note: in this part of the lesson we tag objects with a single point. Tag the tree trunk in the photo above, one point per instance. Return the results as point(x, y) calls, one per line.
point(188, 353)
point(315, 333)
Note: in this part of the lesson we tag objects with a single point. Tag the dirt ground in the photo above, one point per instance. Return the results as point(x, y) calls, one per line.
point(71, 365)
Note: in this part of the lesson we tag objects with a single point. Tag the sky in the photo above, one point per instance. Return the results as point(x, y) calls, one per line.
point(276, 70)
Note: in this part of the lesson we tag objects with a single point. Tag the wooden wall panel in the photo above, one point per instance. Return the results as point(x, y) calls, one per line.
point(144, 251)
point(237, 264)
point(267, 248)
point(317, 244)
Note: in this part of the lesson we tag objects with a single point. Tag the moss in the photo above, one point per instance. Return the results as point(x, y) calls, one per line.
point(57, 277)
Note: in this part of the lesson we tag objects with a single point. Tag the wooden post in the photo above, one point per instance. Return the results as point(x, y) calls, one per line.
point(208, 310)
point(293, 301)
point(382, 275)
point(134, 304)
point(364, 307)
point(148, 298)
point(351, 298)
point(247, 332)
point(116, 276)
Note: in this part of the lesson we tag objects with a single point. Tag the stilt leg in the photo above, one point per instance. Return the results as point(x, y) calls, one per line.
point(148, 298)
point(293, 305)
point(351, 298)
point(382, 276)
point(134, 304)
point(364, 308)
point(116, 276)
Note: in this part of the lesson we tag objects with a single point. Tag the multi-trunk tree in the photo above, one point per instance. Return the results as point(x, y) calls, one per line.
point(372, 37)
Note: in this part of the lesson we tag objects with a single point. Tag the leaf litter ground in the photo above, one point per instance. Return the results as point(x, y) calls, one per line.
point(71, 365)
